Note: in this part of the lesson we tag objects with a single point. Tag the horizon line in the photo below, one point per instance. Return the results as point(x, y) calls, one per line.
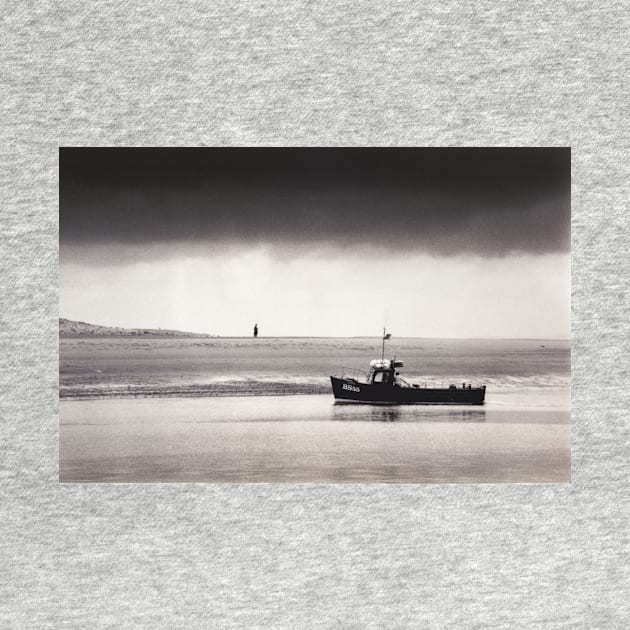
point(378, 337)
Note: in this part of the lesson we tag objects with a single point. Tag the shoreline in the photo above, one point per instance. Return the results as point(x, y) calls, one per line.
point(371, 338)
point(213, 390)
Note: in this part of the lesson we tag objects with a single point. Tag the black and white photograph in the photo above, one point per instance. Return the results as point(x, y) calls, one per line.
point(315, 315)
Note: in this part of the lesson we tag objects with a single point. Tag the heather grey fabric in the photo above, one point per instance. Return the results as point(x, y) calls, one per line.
point(330, 73)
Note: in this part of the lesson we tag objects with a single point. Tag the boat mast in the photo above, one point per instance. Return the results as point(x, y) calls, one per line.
point(385, 336)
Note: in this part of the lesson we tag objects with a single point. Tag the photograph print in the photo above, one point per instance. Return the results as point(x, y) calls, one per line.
point(315, 315)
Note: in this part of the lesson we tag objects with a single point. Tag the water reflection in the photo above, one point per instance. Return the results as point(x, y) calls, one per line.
point(407, 413)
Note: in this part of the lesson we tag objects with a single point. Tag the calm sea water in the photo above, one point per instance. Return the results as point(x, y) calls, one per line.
point(110, 366)
point(136, 410)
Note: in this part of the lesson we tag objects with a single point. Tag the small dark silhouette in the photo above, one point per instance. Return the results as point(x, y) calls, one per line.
point(255, 330)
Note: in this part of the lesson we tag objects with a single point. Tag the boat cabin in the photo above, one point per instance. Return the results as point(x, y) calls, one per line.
point(383, 371)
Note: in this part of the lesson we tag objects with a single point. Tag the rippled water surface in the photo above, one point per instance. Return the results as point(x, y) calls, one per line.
point(239, 410)
point(135, 366)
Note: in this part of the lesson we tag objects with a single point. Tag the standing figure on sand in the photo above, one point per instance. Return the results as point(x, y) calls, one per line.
point(255, 331)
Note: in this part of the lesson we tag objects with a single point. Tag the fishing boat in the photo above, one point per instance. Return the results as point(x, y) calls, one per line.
point(382, 384)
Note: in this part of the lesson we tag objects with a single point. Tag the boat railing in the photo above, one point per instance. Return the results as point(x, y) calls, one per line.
point(355, 374)
point(443, 384)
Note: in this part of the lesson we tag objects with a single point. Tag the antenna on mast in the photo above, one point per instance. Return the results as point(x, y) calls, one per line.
point(386, 335)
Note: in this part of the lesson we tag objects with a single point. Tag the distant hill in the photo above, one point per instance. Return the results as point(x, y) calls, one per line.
point(70, 328)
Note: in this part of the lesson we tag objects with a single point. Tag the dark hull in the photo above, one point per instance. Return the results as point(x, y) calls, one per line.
point(348, 390)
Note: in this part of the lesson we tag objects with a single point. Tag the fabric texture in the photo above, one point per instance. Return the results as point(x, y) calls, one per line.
point(302, 556)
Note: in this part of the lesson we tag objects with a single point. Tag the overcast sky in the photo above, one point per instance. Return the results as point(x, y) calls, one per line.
point(434, 242)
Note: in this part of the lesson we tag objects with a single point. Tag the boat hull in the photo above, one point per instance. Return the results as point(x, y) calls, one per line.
point(351, 391)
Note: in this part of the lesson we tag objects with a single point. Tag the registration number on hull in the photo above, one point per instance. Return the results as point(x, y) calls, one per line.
point(350, 388)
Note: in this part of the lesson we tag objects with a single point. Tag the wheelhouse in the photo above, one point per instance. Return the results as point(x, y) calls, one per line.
point(383, 371)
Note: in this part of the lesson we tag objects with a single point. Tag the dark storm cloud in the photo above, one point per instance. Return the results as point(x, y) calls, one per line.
point(442, 201)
